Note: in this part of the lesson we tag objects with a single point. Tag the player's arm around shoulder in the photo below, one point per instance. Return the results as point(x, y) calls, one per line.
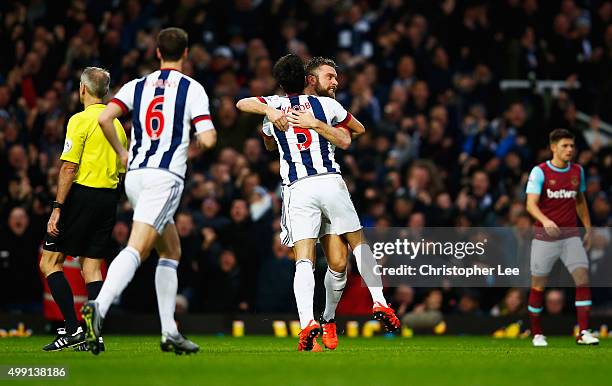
point(355, 127)
point(264, 106)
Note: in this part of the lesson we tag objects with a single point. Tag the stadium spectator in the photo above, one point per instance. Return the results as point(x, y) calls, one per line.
point(554, 302)
point(426, 314)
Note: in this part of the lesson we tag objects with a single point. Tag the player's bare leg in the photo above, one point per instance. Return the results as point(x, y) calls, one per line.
point(52, 266)
point(535, 307)
point(365, 264)
point(583, 306)
point(168, 247)
point(303, 288)
point(336, 252)
point(91, 271)
point(120, 273)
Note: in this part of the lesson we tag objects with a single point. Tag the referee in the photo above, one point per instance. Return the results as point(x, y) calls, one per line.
point(85, 207)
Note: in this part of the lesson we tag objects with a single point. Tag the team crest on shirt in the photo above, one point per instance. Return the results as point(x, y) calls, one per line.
point(553, 182)
point(574, 181)
point(67, 145)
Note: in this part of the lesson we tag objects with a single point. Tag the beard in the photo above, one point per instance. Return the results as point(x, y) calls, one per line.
point(324, 91)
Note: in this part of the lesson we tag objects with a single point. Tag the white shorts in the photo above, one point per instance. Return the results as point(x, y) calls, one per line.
point(312, 200)
point(544, 255)
point(155, 195)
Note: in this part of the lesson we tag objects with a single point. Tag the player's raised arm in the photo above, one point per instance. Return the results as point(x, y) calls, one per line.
point(258, 105)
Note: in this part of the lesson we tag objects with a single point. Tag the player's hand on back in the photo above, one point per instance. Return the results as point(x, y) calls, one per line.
point(551, 228)
point(303, 119)
point(278, 118)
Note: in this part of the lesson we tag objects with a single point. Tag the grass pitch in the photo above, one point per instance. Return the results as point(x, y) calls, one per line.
point(250, 361)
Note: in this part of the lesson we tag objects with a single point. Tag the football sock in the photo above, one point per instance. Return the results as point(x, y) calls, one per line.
point(535, 310)
point(62, 294)
point(303, 288)
point(166, 285)
point(583, 306)
point(120, 273)
point(334, 286)
point(93, 289)
point(365, 259)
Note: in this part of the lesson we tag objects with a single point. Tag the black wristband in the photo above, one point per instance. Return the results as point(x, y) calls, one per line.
point(58, 205)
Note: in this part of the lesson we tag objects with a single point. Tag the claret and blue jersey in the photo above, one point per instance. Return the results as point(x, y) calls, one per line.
point(558, 189)
point(303, 152)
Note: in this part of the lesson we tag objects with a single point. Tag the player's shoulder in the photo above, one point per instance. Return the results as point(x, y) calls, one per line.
point(537, 172)
point(327, 101)
point(324, 99)
point(194, 85)
point(576, 167)
point(77, 118)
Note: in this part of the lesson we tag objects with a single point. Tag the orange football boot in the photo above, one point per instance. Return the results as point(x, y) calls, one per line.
point(308, 337)
point(386, 315)
point(330, 337)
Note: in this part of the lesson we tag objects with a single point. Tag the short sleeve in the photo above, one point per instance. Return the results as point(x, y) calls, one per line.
point(124, 142)
point(267, 127)
point(74, 143)
point(199, 109)
point(272, 101)
point(536, 181)
point(339, 116)
point(582, 180)
point(125, 97)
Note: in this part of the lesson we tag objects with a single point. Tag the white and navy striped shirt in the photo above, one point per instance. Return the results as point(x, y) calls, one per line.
point(303, 152)
point(166, 105)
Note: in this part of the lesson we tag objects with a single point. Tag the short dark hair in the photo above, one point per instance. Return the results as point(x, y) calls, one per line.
point(317, 62)
point(289, 73)
point(172, 42)
point(558, 134)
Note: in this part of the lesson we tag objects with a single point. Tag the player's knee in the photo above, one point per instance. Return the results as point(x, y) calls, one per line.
point(339, 265)
point(91, 273)
point(50, 263)
point(581, 277)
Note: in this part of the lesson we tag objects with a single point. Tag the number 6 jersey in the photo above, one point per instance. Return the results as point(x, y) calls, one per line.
point(303, 152)
point(165, 104)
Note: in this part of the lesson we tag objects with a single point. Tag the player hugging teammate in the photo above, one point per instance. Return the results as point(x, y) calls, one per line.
point(316, 202)
point(555, 198)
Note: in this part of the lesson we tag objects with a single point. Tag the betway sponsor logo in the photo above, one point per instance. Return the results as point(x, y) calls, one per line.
point(562, 193)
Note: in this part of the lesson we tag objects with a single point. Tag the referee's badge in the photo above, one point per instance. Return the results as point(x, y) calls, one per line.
point(67, 145)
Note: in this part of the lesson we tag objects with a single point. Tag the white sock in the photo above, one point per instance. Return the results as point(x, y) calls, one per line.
point(120, 273)
point(365, 259)
point(166, 285)
point(334, 286)
point(303, 288)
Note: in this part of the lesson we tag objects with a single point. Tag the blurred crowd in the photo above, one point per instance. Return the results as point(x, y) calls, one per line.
point(444, 145)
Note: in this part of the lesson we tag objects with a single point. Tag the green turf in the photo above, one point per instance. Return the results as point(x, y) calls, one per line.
point(271, 361)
